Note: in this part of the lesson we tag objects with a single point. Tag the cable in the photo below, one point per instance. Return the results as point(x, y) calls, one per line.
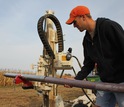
point(82, 88)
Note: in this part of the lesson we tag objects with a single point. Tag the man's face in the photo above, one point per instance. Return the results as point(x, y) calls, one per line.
point(79, 23)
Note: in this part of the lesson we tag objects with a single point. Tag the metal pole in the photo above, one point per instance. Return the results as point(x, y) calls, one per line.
point(74, 83)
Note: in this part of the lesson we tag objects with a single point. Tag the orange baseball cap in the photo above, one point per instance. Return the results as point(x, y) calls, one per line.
point(77, 11)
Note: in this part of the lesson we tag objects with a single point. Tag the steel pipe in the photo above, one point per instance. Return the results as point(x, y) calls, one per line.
point(74, 83)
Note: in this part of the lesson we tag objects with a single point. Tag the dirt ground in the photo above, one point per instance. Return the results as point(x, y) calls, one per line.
point(17, 97)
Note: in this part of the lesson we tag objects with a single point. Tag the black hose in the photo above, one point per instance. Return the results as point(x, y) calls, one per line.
point(86, 79)
point(42, 34)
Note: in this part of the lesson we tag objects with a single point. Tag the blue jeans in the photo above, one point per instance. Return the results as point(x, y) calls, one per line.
point(109, 99)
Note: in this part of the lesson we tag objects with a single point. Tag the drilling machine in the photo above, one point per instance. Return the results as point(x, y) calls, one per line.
point(53, 58)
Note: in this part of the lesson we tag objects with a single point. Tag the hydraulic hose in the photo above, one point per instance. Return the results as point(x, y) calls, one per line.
point(86, 79)
point(42, 34)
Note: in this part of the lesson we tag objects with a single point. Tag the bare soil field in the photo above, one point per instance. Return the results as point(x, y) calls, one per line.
point(17, 97)
point(14, 96)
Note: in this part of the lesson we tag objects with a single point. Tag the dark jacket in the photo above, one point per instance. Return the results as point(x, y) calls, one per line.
point(106, 49)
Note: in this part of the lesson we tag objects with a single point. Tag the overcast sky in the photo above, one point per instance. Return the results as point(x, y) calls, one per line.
point(20, 45)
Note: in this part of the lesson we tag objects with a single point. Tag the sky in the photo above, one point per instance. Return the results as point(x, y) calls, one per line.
point(20, 45)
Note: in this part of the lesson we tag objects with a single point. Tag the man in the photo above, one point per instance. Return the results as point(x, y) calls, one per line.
point(103, 44)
